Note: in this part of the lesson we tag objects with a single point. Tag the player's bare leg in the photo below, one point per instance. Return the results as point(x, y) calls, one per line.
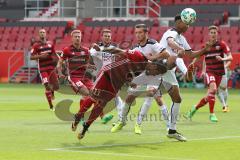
point(176, 101)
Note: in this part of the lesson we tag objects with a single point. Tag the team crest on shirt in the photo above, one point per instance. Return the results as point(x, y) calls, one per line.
point(73, 53)
point(82, 52)
point(217, 47)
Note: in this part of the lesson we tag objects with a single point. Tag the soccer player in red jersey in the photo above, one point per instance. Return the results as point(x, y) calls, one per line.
point(214, 61)
point(44, 52)
point(78, 60)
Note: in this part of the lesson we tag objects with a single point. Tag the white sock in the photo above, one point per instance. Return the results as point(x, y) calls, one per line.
point(165, 115)
point(124, 112)
point(174, 115)
point(221, 96)
point(225, 93)
point(144, 109)
point(118, 104)
point(181, 66)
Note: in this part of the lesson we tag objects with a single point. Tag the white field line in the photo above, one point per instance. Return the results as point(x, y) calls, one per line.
point(123, 155)
point(69, 149)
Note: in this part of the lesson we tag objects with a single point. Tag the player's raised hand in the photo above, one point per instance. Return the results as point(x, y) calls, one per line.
point(191, 67)
point(209, 44)
point(90, 66)
point(219, 58)
point(95, 46)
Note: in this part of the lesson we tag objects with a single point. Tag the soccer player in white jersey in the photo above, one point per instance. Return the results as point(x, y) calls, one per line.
point(176, 44)
point(143, 82)
point(222, 91)
point(101, 59)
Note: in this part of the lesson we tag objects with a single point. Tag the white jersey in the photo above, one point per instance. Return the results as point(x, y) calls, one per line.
point(179, 39)
point(151, 47)
point(101, 59)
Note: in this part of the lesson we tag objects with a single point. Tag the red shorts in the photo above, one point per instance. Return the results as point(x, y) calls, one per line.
point(49, 77)
point(210, 77)
point(77, 83)
point(103, 88)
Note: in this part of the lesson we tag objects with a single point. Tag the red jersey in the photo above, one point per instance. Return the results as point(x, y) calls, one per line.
point(118, 72)
point(48, 63)
point(77, 59)
point(212, 64)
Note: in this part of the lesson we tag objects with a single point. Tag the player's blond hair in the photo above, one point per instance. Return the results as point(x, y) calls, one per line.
point(75, 31)
point(212, 27)
point(105, 30)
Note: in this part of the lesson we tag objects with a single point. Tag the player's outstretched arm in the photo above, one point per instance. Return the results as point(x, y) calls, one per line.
point(195, 54)
point(161, 55)
point(36, 57)
point(114, 50)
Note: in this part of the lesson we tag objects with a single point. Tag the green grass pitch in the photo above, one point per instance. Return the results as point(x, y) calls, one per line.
point(29, 131)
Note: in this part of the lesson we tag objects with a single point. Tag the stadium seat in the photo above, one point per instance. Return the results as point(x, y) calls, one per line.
point(154, 30)
point(129, 30)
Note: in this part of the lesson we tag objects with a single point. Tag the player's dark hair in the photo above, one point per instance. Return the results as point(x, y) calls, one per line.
point(144, 26)
point(177, 17)
point(212, 27)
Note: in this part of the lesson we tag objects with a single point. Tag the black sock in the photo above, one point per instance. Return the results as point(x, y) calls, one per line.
point(170, 131)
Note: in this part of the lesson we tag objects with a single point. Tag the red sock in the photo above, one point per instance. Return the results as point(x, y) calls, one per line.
point(49, 98)
point(202, 102)
point(95, 113)
point(85, 104)
point(211, 100)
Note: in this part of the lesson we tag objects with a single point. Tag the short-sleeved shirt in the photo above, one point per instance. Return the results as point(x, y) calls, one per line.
point(102, 58)
point(220, 48)
point(150, 47)
point(179, 39)
point(46, 64)
point(77, 60)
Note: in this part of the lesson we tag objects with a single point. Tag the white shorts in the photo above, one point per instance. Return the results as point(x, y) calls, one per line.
point(145, 83)
point(224, 82)
point(169, 79)
point(144, 79)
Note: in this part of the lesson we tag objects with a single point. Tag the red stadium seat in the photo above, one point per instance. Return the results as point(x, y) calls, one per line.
point(198, 30)
point(154, 30)
point(113, 29)
point(15, 29)
point(121, 30)
point(234, 31)
point(129, 30)
point(235, 39)
point(88, 30)
point(166, 2)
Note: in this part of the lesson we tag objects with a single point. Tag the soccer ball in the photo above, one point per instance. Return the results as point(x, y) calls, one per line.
point(188, 15)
